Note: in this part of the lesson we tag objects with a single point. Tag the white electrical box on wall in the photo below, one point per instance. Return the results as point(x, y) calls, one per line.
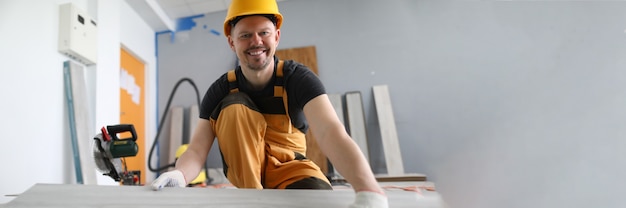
point(77, 34)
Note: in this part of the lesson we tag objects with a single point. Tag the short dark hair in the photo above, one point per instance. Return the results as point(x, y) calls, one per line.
point(235, 20)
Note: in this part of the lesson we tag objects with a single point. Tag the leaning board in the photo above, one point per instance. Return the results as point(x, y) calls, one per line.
point(337, 102)
point(70, 196)
point(194, 116)
point(388, 133)
point(78, 110)
point(355, 120)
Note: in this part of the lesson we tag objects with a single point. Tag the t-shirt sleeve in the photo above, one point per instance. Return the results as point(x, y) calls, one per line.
point(215, 93)
point(304, 85)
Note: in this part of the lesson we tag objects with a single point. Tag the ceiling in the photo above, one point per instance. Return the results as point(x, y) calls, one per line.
point(161, 15)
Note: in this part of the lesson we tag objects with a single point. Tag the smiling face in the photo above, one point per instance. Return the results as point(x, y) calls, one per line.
point(254, 39)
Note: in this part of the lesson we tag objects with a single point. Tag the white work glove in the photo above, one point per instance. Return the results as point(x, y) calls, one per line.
point(366, 199)
point(172, 178)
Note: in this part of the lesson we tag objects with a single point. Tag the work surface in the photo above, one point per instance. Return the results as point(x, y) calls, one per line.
point(67, 195)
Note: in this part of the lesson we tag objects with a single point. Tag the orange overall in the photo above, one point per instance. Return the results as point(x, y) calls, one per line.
point(262, 150)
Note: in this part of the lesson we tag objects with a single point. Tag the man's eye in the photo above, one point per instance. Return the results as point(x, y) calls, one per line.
point(244, 36)
point(264, 33)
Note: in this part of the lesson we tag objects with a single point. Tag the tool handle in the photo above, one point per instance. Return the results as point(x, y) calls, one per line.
point(115, 129)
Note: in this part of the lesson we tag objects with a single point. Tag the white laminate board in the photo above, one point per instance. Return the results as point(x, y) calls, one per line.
point(70, 196)
point(356, 120)
point(194, 115)
point(389, 136)
point(80, 120)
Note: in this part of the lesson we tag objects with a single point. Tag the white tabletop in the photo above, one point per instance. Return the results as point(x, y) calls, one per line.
point(68, 195)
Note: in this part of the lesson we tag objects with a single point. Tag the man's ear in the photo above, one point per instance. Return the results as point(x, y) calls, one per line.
point(231, 43)
point(277, 36)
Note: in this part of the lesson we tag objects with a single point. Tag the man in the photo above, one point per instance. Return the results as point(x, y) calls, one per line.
point(259, 111)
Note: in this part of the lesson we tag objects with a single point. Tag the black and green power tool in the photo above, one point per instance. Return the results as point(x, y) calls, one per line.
point(109, 149)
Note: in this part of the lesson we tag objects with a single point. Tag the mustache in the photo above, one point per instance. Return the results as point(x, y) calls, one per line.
point(256, 48)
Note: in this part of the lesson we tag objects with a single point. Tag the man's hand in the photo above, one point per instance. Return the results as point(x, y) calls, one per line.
point(169, 179)
point(365, 199)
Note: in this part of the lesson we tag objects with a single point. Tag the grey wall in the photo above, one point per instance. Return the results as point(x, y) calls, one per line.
point(197, 54)
point(501, 104)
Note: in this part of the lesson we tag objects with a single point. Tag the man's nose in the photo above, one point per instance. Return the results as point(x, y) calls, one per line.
point(256, 39)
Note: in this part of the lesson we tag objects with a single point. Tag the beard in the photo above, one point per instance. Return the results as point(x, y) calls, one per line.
point(258, 63)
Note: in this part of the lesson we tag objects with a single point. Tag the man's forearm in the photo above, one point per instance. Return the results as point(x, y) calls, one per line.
point(190, 163)
point(346, 156)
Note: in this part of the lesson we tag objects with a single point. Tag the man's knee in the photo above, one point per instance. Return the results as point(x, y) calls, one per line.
point(234, 98)
point(310, 183)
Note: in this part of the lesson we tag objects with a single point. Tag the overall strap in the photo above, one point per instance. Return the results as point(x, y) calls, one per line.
point(279, 84)
point(279, 88)
point(232, 81)
point(279, 91)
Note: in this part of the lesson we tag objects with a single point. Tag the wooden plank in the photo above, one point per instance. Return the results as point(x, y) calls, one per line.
point(70, 196)
point(306, 55)
point(356, 120)
point(314, 153)
point(176, 132)
point(80, 130)
point(389, 136)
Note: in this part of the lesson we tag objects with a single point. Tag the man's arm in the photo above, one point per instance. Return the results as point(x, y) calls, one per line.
point(191, 162)
point(337, 145)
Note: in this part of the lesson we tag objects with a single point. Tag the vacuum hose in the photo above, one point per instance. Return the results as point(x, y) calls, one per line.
point(160, 127)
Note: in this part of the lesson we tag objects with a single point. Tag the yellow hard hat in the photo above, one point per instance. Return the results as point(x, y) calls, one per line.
point(239, 8)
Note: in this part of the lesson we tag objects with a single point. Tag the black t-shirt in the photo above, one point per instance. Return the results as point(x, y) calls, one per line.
point(301, 85)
